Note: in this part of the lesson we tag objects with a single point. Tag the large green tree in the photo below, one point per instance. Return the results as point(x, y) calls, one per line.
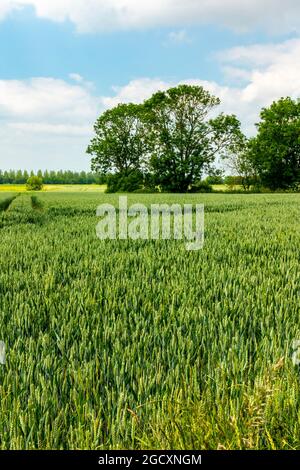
point(119, 145)
point(185, 138)
point(275, 151)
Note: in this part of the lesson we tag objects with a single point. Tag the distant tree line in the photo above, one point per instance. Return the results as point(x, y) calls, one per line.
point(51, 177)
point(174, 138)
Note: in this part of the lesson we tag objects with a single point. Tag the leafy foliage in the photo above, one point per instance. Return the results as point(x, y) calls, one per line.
point(171, 136)
point(201, 187)
point(34, 183)
point(275, 152)
point(215, 176)
point(125, 182)
point(120, 142)
point(185, 141)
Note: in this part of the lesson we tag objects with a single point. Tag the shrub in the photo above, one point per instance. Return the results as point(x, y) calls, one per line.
point(34, 183)
point(233, 181)
point(215, 179)
point(125, 183)
point(201, 187)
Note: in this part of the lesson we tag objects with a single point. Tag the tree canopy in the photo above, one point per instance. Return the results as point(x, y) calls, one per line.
point(34, 183)
point(274, 153)
point(172, 138)
point(185, 139)
point(120, 141)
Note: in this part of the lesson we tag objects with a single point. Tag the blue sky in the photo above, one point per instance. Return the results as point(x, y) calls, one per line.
point(63, 63)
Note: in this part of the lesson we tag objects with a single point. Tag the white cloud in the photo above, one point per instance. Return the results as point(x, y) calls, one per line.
point(103, 15)
point(22, 148)
point(6, 7)
point(55, 129)
point(259, 54)
point(46, 99)
point(135, 91)
point(46, 122)
point(271, 71)
point(179, 37)
point(76, 77)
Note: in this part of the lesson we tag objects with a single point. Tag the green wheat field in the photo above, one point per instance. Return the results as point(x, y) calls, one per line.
point(142, 344)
